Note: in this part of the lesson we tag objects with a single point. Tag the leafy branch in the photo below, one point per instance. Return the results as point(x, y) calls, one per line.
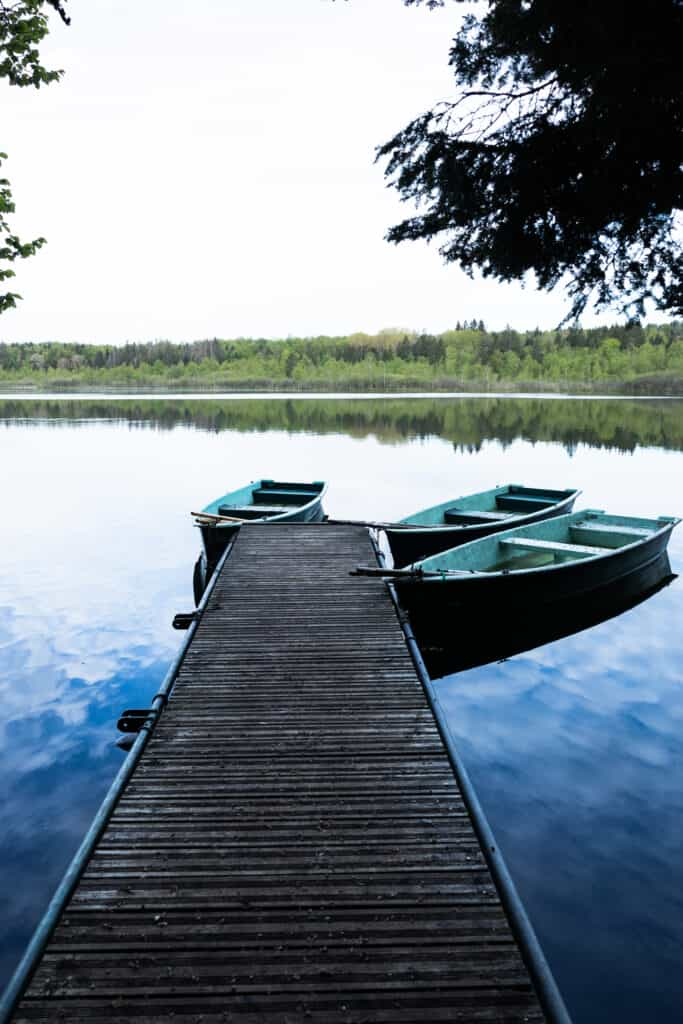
point(23, 26)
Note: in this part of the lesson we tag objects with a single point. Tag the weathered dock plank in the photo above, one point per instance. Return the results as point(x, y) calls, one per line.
point(292, 846)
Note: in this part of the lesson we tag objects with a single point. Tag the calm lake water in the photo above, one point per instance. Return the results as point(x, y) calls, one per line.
point(575, 748)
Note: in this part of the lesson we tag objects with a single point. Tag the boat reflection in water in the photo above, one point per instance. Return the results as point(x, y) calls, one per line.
point(451, 644)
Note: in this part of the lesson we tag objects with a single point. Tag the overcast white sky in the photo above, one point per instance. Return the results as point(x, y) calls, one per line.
point(206, 169)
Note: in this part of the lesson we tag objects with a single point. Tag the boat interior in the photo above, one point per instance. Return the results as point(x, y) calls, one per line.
point(549, 542)
point(267, 498)
point(508, 502)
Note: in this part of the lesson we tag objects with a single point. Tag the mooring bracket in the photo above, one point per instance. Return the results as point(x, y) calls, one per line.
point(183, 620)
point(133, 719)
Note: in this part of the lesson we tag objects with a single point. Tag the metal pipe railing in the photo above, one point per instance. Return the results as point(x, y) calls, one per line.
point(547, 991)
point(29, 962)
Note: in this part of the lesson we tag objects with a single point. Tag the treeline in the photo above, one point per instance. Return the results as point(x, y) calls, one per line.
point(468, 356)
point(466, 423)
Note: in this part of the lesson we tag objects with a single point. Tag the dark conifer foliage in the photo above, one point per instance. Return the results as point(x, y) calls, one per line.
point(561, 154)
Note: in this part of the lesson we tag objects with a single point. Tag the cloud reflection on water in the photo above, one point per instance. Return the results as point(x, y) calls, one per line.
point(74, 652)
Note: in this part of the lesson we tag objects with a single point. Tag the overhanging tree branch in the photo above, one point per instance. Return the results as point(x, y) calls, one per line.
point(562, 154)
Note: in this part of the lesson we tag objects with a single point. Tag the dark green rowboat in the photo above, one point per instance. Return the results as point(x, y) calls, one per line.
point(262, 501)
point(472, 516)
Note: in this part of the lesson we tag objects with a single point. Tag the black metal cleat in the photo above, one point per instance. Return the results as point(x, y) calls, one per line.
point(133, 719)
point(183, 620)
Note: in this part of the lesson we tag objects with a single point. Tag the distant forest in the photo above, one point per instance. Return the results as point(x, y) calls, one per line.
point(633, 358)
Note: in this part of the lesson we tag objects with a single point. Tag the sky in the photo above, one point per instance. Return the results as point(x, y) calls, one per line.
point(207, 169)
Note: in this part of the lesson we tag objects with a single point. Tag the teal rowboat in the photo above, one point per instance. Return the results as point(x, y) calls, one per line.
point(262, 501)
point(460, 520)
point(548, 561)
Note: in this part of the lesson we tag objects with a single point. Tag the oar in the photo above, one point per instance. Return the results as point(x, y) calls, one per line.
point(415, 574)
point(371, 525)
point(209, 518)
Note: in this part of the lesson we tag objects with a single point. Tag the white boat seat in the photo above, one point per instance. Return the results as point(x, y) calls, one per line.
point(530, 544)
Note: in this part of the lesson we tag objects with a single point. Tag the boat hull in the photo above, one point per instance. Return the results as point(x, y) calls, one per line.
point(414, 544)
point(451, 645)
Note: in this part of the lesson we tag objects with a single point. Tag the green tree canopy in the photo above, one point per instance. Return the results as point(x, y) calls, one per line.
point(23, 26)
point(561, 154)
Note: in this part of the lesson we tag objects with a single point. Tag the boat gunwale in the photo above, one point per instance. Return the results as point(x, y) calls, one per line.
point(462, 575)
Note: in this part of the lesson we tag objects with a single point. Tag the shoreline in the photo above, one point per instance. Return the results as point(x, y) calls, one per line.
point(168, 394)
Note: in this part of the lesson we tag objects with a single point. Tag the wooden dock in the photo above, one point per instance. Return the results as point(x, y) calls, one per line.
point(292, 847)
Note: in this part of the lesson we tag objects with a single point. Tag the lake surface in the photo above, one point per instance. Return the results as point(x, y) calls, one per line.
point(575, 748)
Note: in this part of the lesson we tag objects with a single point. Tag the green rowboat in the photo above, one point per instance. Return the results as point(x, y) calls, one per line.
point(262, 501)
point(472, 516)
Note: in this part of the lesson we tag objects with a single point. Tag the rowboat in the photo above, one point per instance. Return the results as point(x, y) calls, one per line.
point(472, 516)
point(262, 501)
point(542, 562)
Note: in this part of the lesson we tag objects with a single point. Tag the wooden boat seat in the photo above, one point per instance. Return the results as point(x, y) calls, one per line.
point(553, 546)
point(291, 485)
point(462, 517)
point(523, 503)
point(286, 497)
